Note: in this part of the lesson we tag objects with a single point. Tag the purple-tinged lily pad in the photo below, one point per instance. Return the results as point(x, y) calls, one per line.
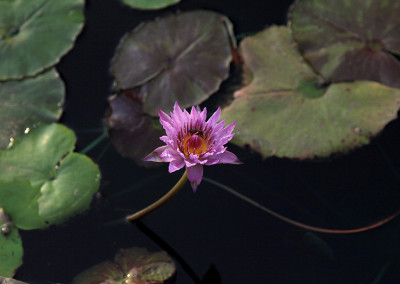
point(133, 266)
point(287, 111)
point(150, 4)
point(132, 133)
point(182, 57)
point(350, 40)
point(27, 103)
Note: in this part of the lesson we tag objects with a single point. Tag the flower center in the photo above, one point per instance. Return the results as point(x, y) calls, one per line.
point(194, 144)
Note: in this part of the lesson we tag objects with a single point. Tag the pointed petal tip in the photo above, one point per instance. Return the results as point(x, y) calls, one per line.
point(194, 186)
point(155, 156)
point(195, 175)
point(152, 157)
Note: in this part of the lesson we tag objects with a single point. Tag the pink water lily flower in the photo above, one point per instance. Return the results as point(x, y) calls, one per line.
point(192, 142)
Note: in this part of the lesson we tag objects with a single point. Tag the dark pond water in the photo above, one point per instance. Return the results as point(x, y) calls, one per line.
point(212, 228)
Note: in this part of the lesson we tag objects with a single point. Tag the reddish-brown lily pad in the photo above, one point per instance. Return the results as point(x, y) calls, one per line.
point(350, 40)
point(132, 133)
point(133, 266)
point(287, 111)
point(182, 57)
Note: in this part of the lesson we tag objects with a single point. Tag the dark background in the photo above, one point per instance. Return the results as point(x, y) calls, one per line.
point(212, 228)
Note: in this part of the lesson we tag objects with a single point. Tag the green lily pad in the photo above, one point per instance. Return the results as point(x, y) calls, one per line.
point(132, 133)
point(182, 57)
point(350, 40)
point(44, 157)
point(134, 266)
point(10, 247)
point(19, 200)
point(150, 4)
point(28, 103)
point(287, 111)
point(35, 34)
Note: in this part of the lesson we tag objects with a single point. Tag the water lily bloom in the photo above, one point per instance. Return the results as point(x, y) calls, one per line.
point(192, 142)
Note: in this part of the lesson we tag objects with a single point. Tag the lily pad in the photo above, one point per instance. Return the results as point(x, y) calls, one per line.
point(10, 281)
point(287, 111)
point(35, 34)
point(350, 40)
point(132, 133)
point(66, 180)
point(10, 247)
point(150, 4)
point(182, 57)
point(19, 200)
point(134, 266)
point(28, 103)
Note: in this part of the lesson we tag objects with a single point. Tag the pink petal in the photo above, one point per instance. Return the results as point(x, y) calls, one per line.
point(228, 130)
point(163, 116)
point(203, 115)
point(175, 165)
point(228, 157)
point(224, 158)
point(226, 139)
point(214, 118)
point(169, 155)
point(195, 174)
point(179, 116)
point(155, 155)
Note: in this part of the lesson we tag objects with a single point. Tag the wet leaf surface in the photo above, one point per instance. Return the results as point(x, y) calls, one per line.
point(286, 111)
point(350, 40)
point(132, 133)
point(10, 247)
point(44, 157)
point(26, 27)
point(28, 103)
point(150, 4)
point(134, 266)
point(182, 57)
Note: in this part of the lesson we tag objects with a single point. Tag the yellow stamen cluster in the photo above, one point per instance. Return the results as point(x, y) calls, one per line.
point(194, 144)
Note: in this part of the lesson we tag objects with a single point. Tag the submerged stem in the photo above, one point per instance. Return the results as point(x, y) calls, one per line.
point(161, 201)
point(299, 224)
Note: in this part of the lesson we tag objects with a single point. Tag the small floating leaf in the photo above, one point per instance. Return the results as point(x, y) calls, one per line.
point(67, 180)
point(35, 34)
point(132, 133)
point(28, 103)
point(287, 111)
point(350, 40)
point(150, 4)
point(182, 57)
point(10, 247)
point(134, 266)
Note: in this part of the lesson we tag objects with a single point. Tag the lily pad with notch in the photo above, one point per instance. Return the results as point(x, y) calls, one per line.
point(350, 40)
point(134, 265)
point(28, 103)
point(35, 34)
point(150, 4)
point(65, 180)
point(181, 57)
point(286, 110)
point(133, 133)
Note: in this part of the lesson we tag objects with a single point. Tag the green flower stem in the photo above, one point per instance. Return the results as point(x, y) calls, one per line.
point(161, 201)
